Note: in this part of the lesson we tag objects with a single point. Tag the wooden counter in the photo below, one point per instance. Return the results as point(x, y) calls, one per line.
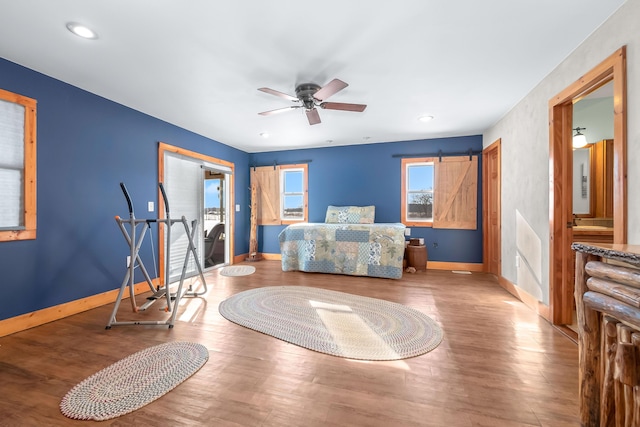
point(607, 293)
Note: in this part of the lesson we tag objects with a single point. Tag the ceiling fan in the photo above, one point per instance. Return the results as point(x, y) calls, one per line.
point(310, 95)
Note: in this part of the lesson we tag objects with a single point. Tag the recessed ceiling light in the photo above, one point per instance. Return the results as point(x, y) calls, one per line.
point(425, 119)
point(81, 30)
point(366, 137)
point(264, 134)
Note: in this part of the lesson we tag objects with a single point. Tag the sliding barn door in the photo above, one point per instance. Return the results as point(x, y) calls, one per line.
point(267, 182)
point(456, 193)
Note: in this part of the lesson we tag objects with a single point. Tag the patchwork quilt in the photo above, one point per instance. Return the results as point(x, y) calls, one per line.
point(375, 250)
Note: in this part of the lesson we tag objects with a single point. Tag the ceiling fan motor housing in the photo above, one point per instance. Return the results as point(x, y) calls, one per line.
point(305, 93)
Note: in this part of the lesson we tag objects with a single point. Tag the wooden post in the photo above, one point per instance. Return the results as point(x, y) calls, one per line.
point(253, 236)
point(625, 375)
point(635, 339)
point(609, 344)
point(588, 348)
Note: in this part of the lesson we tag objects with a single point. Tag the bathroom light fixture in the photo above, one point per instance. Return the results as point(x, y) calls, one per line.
point(579, 140)
point(81, 30)
point(425, 119)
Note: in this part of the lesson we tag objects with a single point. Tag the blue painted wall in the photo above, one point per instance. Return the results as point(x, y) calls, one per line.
point(369, 175)
point(87, 145)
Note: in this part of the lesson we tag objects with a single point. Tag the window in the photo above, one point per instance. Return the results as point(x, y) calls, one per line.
point(419, 194)
point(440, 192)
point(17, 167)
point(281, 192)
point(292, 194)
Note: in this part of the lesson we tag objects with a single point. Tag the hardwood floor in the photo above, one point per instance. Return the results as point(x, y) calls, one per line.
point(498, 365)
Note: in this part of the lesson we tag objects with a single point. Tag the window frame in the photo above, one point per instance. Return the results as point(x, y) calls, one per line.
point(28, 230)
point(406, 164)
point(305, 211)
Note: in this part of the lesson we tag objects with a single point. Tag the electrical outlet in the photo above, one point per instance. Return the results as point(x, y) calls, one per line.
point(150, 206)
point(237, 208)
point(407, 231)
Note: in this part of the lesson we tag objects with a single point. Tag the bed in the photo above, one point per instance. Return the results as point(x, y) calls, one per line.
point(348, 242)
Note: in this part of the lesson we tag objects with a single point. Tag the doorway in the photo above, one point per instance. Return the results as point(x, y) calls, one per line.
point(561, 265)
point(183, 173)
point(214, 218)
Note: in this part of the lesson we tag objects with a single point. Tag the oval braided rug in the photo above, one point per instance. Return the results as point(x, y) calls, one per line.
point(237, 270)
point(335, 323)
point(134, 381)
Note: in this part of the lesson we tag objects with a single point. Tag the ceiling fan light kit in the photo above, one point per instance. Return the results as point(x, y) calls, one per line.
point(310, 96)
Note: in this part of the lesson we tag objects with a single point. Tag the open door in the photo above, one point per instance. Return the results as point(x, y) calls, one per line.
point(561, 265)
point(491, 206)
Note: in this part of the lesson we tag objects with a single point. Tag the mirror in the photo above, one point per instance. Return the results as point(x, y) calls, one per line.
point(593, 164)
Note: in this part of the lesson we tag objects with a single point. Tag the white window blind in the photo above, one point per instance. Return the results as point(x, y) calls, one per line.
point(12, 118)
point(184, 185)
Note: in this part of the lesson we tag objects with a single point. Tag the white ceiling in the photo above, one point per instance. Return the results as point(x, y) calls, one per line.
point(198, 64)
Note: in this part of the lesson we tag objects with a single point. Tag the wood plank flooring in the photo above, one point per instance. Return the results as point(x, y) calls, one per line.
point(498, 365)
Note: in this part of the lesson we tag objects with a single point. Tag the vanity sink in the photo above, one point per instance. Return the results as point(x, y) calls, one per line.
point(592, 233)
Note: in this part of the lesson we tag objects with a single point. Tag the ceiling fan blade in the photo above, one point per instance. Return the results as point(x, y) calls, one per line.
point(343, 106)
point(331, 88)
point(277, 93)
point(313, 116)
point(279, 110)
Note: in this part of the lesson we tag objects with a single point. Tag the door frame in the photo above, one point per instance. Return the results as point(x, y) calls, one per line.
point(488, 187)
point(162, 148)
point(561, 265)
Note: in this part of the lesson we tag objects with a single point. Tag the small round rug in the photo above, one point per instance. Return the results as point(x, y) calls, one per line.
point(336, 323)
point(237, 270)
point(134, 381)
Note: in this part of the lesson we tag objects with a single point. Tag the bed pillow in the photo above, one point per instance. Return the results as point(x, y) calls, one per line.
point(350, 215)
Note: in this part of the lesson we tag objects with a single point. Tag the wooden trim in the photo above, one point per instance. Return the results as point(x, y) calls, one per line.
point(560, 198)
point(49, 314)
point(162, 147)
point(240, 258)
point(529, 300)
point(30, 168)
point(463, 266)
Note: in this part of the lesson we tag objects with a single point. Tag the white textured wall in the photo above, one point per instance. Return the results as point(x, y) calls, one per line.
point(525, 142)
